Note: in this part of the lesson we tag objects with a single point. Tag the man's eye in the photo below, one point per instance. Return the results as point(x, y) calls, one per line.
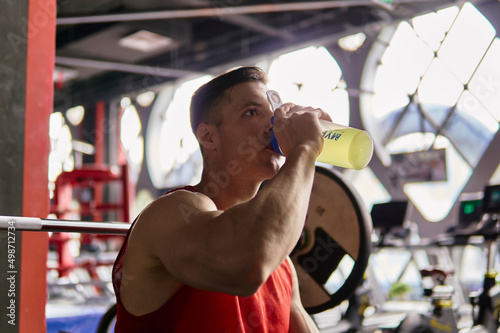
point(251, 113)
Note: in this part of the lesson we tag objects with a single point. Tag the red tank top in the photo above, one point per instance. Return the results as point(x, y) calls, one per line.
point(193, 310)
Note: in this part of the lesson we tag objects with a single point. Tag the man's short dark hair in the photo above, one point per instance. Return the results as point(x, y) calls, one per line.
point(206, 97)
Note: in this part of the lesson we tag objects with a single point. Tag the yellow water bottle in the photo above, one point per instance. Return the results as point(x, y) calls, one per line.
point(343, 146)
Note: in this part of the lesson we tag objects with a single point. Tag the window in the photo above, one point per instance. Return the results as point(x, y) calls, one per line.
point(61, 148)
point(173, 156)
point(430, 83)
point(295, 75)
point(131, 137)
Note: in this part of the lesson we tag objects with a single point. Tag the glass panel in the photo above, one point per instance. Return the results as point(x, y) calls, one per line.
point(410, 143)
point(447, 16)
point(55, 166)
point(146, 98)
point(367, 185)
point(56, 122)
point(471, 128)
point(61, 147)
point(64, 143)
point(412, 122)
point(485, 84)
point(75, 115)
point(168, 148)
point(467, 41)
point(136, 152)
point(389, 95)
point(69, 163)
point(339, 101)
point(434, 200)
point(317, 69)
point(132, 141)
point(439, 86)
point(436, 113)
point(312, 82)
point(470, 106)
point(407, 58)
point(387, 123)
point(352, 42)
point(179, 148)
point(432, 27)
point(130, 126)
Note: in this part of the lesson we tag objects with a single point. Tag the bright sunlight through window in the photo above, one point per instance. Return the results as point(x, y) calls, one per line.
point(312, 77)
point(433, 86)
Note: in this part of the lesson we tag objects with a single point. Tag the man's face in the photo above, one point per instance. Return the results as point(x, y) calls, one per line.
point(246, 128)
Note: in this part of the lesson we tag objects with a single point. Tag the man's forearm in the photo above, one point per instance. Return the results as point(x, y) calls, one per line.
point(279, 209)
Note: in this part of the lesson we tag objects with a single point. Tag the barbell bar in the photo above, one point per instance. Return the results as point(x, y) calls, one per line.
point(21, 223)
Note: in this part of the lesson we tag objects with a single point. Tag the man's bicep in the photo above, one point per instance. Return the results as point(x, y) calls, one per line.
point(175, 230)
point(201, 246)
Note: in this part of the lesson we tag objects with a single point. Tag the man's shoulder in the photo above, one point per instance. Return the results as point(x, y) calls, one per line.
point(180, 204)
point(184, 195)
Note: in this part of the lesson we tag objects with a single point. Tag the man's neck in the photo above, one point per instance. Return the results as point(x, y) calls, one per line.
point(226, 190)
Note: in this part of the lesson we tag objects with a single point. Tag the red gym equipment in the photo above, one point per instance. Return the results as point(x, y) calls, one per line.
point(91, 178)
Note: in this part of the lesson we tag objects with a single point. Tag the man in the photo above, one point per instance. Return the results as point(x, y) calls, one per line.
point(214, 257)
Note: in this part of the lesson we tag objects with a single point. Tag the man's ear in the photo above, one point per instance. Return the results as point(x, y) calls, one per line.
point(207, 136)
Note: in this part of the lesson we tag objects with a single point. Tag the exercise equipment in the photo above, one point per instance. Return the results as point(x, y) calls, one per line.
point(93, 178)
point(21, 223)
point(335, 241)
point(388, 220)
point(487, 301)
point(108, 320)
point(477, 218)
point(85, 187)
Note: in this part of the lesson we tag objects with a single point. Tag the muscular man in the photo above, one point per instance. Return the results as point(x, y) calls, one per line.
point(214, 257)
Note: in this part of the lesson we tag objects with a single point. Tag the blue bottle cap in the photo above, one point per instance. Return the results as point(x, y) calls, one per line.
point(274, 142)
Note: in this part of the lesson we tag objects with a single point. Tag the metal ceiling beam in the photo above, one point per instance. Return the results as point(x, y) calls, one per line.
point(244, 21)
point(248, 22)
point(225, 11)
point(121, 67)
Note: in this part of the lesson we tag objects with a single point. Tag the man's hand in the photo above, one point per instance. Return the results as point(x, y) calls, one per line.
point(295, 126)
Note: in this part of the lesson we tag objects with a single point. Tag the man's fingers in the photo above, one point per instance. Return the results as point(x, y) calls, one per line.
point(288, 110)
point(325, 115)
point(285, 108)
point(280, 120)
point(301, 109)
point(280, 116)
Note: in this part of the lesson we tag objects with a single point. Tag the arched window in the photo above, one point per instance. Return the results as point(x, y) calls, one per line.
point(428, 84)
point(173, 155)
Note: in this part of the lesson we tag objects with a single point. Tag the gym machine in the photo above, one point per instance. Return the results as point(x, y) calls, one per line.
point(446, 311)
